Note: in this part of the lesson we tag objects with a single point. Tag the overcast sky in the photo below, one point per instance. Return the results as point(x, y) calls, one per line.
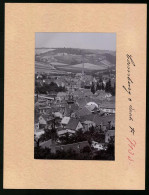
point(103, 41)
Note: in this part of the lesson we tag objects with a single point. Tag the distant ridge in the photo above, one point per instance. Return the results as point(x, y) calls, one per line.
point(70, 59)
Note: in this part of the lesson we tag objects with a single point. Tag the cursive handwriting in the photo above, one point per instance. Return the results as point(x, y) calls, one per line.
point(129, 79)
point(131, 110)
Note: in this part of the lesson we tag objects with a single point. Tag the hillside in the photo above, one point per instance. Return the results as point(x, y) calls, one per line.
point(71, 59)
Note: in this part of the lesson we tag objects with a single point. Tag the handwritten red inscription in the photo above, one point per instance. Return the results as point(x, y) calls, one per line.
point(131, 145)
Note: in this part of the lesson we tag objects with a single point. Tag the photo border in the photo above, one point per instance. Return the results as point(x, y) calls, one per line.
point(2, 24)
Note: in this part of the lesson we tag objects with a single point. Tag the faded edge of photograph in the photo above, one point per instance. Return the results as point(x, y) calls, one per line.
point(74, 100)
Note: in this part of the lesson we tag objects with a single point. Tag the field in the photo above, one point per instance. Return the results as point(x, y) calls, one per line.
point(71, 59)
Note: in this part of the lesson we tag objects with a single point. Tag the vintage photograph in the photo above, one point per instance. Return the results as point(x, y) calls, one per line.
point(74, 100)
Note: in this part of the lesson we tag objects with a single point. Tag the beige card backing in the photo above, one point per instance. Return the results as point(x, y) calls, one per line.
point(21, 171)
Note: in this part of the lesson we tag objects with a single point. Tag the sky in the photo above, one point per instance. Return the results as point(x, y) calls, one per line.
point(102, 41)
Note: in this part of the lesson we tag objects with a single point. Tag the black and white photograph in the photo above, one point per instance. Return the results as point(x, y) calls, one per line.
point(74, 96)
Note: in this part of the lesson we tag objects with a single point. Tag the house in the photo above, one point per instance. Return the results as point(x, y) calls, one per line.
point(61, 95)
point(69, 125)
point(107, 107)
point(49, 99)
point(110, 135)
point(46, 144)
point(82, 112)
point(58, 115)
point(63, 132)
point(62, 109)
point(102, 95)
point(87, 121)
point(71, 109)
point(77, 147)
point(102, 122)
point(74, 125)
point(88, 117)
point(44, 109)
point(65, 121)
point(98, 146)
point(44, 120)
point(38, 133)
point(105, 122)
point(91, 106)
point(88, 124)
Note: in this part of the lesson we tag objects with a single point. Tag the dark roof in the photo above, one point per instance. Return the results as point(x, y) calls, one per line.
point(83, 100)
point(46, 144)
point(75, 146)
point(74, 107)
point(97, 119)
point(72, 124)
point(89, 117)
point(82, 112)
point(104, 119)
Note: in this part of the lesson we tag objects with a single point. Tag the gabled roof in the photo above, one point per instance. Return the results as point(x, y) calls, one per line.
point(65, 120)
point(97, 119)
point(72, 124)
point(89, 117)
point(82, 112)
point(38, 134)
point(46, 144)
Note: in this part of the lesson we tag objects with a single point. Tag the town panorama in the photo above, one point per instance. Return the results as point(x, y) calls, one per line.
point(74, 116)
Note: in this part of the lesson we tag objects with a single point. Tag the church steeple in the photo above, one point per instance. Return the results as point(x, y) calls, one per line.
point(83, 74)
point(70, 95)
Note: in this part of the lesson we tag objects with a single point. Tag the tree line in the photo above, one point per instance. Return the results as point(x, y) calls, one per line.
point(100, 86)
point(85, 154)
point(47, 88)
